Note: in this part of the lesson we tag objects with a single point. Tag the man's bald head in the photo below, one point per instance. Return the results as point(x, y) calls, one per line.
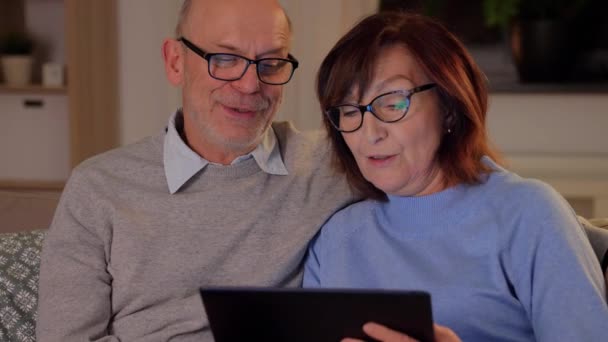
point(187, 6)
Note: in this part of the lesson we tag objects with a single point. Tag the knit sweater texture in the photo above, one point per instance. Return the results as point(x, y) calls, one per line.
point(124, 259)
point(505, 260)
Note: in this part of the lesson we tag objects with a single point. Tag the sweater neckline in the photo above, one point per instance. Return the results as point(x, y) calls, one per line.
point(244, 168)
point(436, 208)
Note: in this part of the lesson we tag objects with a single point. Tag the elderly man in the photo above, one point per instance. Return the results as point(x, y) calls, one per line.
point(221, 197)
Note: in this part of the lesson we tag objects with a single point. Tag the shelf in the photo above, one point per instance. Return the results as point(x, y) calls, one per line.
point(32, 89)
point(26, 184)
point(497, 64)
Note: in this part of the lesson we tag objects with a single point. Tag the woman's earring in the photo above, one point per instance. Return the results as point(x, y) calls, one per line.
point(448, 123)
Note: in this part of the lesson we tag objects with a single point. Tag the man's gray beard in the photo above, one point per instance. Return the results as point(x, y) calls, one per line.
point(234, 144)
point(255, 102)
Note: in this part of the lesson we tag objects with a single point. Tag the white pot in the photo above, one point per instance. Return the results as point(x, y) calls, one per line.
point(17, 69)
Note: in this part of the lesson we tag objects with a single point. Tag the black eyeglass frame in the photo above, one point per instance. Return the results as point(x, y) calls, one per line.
point(207, 56)
point(368, 107)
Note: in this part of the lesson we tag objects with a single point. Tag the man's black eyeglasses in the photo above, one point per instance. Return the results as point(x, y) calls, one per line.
point(388, 107)
point(231, 67)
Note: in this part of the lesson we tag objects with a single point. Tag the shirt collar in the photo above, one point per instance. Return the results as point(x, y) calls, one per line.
point(181, 162)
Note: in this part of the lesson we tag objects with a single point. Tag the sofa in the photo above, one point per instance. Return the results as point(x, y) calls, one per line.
point(20, 265)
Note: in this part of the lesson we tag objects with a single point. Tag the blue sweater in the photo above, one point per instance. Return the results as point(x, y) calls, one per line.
point(505, 260)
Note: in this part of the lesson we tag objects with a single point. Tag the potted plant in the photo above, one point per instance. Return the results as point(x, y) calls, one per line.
point(16, 57)
point(542, 35)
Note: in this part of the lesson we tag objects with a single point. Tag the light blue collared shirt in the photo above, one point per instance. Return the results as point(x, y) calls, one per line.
point(181, 162)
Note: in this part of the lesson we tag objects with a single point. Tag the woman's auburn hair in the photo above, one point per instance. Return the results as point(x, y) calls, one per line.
point(461, 88)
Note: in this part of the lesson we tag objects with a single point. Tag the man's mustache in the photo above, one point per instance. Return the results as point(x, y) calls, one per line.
point(255, 103)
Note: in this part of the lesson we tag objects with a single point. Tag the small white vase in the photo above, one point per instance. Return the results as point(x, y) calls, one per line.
point(17, 69)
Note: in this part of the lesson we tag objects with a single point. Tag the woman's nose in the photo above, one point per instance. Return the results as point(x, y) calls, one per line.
point(373, 129)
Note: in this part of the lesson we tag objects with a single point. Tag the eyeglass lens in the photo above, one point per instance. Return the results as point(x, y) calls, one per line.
point(390, 107)
point(231, 67)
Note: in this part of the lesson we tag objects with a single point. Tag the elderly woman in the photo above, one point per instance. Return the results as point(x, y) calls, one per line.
point(503, 257)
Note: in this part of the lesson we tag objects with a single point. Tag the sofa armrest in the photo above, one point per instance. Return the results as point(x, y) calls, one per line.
point(597, 231)
point(599, 222)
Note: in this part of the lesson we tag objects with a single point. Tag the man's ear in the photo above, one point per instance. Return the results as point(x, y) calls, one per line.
point(173, 56)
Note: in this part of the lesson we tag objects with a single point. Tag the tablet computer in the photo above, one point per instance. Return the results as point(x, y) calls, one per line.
point(313, 315)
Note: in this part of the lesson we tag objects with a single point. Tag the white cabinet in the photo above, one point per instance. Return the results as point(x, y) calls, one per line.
point(34, 138)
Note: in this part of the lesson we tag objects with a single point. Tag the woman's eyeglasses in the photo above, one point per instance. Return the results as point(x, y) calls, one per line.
point(388, 107)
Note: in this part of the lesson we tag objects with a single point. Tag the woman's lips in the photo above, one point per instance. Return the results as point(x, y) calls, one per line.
point(381, 160)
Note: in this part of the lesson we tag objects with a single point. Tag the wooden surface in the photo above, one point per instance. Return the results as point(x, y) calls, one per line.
point(92, 37)
point(31, 185)
point(26, 209)
point(32, 89)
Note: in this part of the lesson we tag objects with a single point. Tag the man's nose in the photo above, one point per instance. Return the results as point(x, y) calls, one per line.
point(249, 83)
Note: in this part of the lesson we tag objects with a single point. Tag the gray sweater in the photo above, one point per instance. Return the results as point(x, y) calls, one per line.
point(124, 259)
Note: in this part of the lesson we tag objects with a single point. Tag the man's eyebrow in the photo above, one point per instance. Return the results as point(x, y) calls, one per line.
point(235, 50)
point(228, 47)
point(277, 51)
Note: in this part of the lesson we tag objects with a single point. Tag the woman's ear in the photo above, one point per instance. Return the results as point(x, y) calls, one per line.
point(173, 56)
